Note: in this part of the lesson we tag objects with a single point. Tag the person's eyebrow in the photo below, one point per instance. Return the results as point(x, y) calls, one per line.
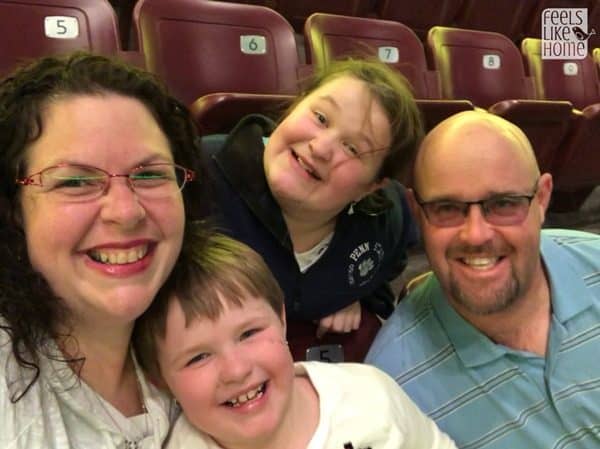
point(182, 355)
point(331, 100)
point(490, 195)
point(360, 135)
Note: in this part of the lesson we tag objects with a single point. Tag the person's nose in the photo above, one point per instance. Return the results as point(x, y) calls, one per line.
point(235, 365)
point(120, 204)
point(323, 145)
point(476, 230)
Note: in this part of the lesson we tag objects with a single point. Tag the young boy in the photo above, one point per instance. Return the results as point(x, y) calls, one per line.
point(215, 336)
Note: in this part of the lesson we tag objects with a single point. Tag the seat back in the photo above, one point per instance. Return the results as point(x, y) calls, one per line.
point(332, 347)
point(575, 80)
point(200, 47)
point(480, 66)
point(578, 166)
point(329, 36)
point(49, 27)
point(218, 113)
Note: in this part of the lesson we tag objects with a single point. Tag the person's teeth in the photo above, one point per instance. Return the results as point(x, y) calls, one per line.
point(119, 257)
point(480, 263)
point(248, 396)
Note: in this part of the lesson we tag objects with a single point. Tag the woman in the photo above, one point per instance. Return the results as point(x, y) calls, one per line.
point(94, 158)
point(313, 194)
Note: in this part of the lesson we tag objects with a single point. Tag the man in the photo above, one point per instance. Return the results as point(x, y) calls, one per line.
point(500, 345)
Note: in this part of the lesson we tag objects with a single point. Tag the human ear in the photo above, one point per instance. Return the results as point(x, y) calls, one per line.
point(412, 202)
point(544, 193)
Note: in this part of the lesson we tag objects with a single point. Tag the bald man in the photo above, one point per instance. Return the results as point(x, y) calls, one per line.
point(500, 345)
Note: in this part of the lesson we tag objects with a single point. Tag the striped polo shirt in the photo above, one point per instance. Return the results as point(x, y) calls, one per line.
point(486, 395)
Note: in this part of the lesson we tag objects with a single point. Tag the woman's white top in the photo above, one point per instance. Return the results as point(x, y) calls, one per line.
point(60, 411)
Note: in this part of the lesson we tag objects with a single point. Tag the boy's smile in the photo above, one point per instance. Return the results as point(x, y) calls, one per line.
point(234, 375)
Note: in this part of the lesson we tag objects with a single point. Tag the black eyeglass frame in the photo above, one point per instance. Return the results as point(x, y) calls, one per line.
point(483, 204)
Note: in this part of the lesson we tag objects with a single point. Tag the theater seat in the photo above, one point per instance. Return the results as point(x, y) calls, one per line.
point(596, 56)
point(352, 347)
point(202, 47)
point(330, 36)
point(576, 169)
point(575, 80)
point(435, 111)
point(486, 68)
point(218, 113)
point(31, 29)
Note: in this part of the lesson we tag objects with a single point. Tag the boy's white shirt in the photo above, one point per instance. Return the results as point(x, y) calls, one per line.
point(358, 403)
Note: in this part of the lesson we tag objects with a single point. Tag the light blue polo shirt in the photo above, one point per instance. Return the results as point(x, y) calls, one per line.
point(485, 395)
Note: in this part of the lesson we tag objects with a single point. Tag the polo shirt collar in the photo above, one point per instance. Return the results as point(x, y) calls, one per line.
point(568, 291)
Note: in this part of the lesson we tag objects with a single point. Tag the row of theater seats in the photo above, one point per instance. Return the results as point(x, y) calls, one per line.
point(226, 59)
point(513, 18)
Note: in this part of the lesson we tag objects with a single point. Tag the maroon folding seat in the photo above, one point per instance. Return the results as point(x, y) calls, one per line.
point(577, 166)
point(218, 113)
point(331, 36)
point(483, 66)
point(486, 68)
point(31, 29)
point(420, 15)
point(575, 80)
point(508, 17)
point(200, 47)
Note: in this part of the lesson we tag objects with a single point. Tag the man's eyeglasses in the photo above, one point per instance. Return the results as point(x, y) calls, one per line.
point(499, 210)
point(75, 182)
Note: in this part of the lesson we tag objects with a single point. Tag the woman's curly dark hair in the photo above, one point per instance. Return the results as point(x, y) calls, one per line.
point(29, 311)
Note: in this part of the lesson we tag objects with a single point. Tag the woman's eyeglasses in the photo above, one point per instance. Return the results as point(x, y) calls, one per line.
point(75, 182)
